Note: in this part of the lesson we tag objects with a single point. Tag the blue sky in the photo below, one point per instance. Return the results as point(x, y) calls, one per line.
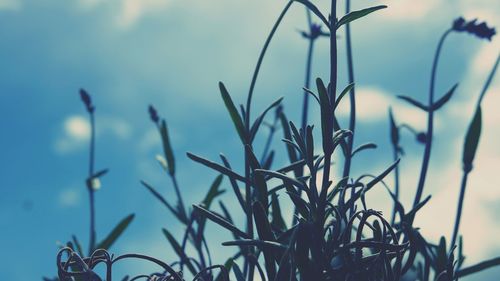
point(132, 53)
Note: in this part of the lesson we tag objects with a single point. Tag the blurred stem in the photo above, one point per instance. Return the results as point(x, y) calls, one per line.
point(179, 197)
point(466, 172)
point(272, 130)
point(307, 81)
point(430, 125)
point(459, 209)
point(90, 183)
point(396, 182)
point(352, 100)
point(305, 104)
point(478, 267)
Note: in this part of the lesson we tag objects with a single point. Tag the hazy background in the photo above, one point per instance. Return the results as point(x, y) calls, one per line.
point(130, 53)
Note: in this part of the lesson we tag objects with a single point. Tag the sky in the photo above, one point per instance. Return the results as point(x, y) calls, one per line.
point(131, 53)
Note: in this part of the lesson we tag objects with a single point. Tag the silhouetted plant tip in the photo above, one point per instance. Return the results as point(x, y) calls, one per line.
point(153, 114)
point(480, 30)
point(87, 101)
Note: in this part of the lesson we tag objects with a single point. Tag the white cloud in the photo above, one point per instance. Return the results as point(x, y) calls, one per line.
point(76, 132)
point(131, 11)
point(69, 197)
point(409, 10)
point(12, 5)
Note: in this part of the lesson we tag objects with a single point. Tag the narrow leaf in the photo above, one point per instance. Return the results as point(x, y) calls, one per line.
point(258, 121)
point(115, 233)
point(179, 251)
point(354, 15)
point(444, 99)
point(213, 192)
point(315, 10)
point(414, 102)
point(344, 92)
point(233, 112)
point(164, 202)
point(472, 141)
point(220, 221)
point(369, 145)
point(219, 168)
point(167, 148)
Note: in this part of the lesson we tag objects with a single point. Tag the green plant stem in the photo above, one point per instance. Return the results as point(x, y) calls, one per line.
point(396, 183)
point(248, 196)
point(352, 100)
point(478, 267)
point(459, 208)
point(305, 103)
point(466, 173)
point(179, 197)
point(307, 80)
point(332, 86)
point(430, 125)
point(90, 187)
point(259, 61)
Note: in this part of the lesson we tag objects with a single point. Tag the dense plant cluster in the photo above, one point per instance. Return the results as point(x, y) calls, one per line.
point(334, 234)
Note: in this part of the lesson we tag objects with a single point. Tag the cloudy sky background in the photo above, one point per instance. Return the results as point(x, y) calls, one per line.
point(130, 53)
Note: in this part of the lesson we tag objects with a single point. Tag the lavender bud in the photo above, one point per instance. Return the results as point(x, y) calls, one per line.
point(153, 114)
point(87, 101)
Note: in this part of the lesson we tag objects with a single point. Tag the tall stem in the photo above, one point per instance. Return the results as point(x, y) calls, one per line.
point(459, 208)
point(396, 183)
point(90, 187)
point(352, 100)
point(430, 124)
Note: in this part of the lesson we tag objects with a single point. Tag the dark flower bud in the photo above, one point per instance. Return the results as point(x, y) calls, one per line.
point(153, 114)
point(315, 31)
point(87, 101)
point(421, 137)
point(481, 30)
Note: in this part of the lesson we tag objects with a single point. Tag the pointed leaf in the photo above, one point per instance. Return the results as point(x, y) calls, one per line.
point(115, 233)
point(179, 251)
point(219, 168)
point(233, 112)
point(167, 148)
point(220, 221)
point(472, 141)
point(444, 99)
point(315, 10)
point(354, 15)
point(158, 196)
point(258, 121)
point(213, 192)
point(369, 145)
point(414, 102)
point(344, 92)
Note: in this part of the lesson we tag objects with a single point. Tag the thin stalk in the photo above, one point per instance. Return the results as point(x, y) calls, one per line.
point(333, 85)
point(352, 100)
point(466, 172)
point(459, 208)
point(479, 267)
point(270, 137)
point(90, 187)
point(248, 196)
point(307, 80)
point(259, 62)
point(430, 124)
point(305, 104)
point(396, 184)
point(179, 197)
